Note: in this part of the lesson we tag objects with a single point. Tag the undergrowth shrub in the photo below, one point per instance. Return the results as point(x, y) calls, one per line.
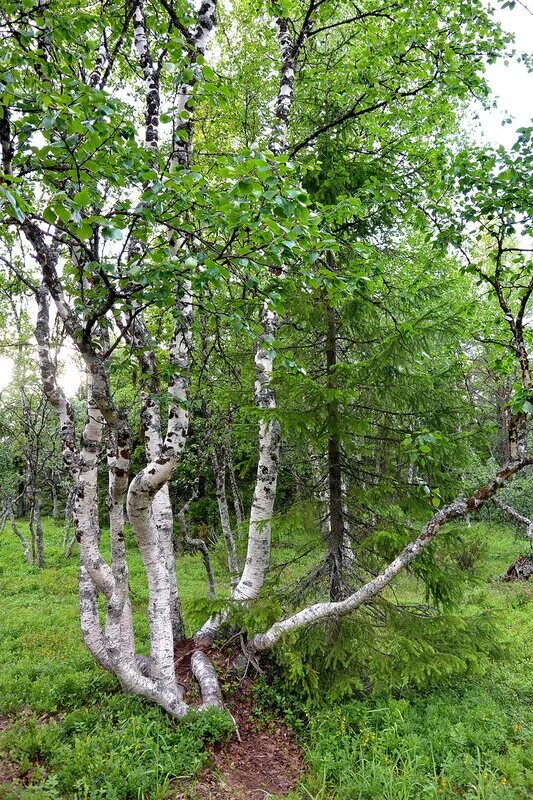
point(149, 749)
point(387, 646)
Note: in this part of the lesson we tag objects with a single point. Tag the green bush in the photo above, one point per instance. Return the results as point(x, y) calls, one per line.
point(148, 748)
point(409, 647)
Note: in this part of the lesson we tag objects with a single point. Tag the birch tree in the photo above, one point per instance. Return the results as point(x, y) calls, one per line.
point(144, 178)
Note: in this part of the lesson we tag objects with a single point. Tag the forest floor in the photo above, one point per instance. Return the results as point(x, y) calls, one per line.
point(67, 732)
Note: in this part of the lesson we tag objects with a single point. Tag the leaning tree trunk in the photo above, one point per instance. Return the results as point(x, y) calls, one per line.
point(334, 610)
point(517, 517)
point(219, 469)
point(26, 549)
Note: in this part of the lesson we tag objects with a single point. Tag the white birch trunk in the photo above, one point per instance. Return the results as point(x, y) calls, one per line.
point(517, 517)
point(262, 509)
point(114, 648)
point(119, 623)
point(260, 526)
point(162, 518)
point(141, 493)
point(320, 611)
point(219, 468)
point(204, 672)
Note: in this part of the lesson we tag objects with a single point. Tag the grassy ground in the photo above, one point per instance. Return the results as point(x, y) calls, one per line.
point(468, 737)
point(80, 738)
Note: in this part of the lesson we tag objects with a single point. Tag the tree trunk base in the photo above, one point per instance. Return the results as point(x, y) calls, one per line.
point(521, 570)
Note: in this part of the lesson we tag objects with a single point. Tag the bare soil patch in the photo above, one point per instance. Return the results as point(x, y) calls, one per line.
point(262, 759)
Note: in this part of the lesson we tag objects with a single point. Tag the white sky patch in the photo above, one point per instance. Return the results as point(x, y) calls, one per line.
point(511, 83)
point(70, 373)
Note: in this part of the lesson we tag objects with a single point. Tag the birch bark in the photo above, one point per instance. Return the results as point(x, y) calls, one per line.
point(144, 488)
point(113, 648)
point(517, 517)
point(260, 523)
point(320, 611)
point(262, 509)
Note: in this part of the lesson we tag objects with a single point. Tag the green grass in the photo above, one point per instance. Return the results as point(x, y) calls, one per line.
point(72, 729)
point(469, 737)
point(79, 737)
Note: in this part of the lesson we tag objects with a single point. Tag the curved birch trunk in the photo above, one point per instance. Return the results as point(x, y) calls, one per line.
point(204, 672)
point(320, 611)
point(161, 509)
point(113, 648)
point(141, 493)
point(262, 509)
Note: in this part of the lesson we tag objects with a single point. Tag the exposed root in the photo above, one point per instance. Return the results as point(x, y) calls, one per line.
point(204, 672)
point(262, 759)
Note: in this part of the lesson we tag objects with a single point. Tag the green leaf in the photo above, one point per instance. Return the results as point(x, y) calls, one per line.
point(49, 215)
point(114, 234)
point(62, 212)
point(84, 231)
point(11, 199)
